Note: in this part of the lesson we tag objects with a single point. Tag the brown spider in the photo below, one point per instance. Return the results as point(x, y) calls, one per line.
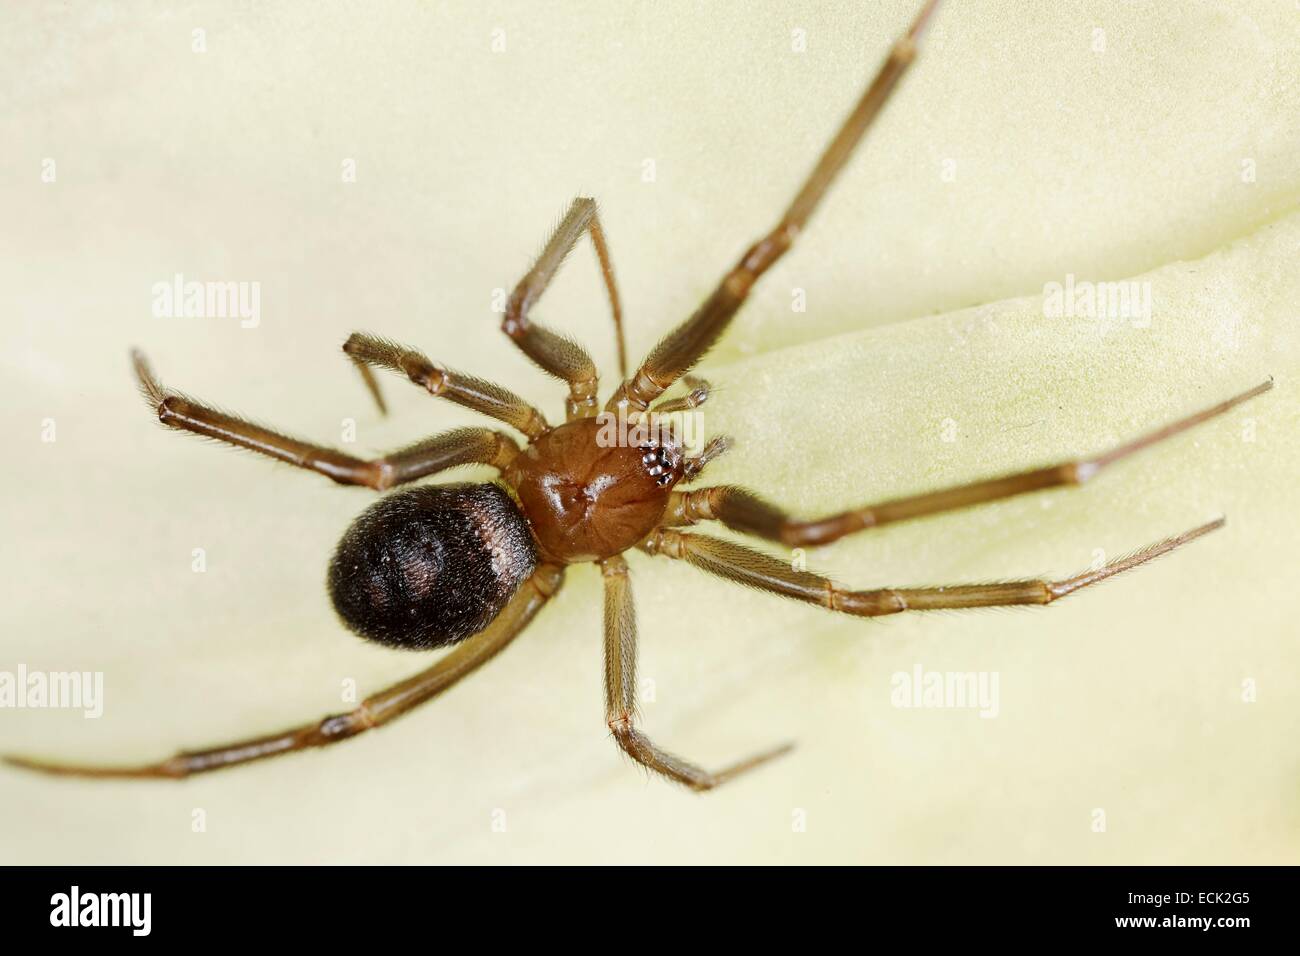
point(471, 565)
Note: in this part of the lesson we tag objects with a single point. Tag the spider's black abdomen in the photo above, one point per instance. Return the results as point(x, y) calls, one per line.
point(431, 566)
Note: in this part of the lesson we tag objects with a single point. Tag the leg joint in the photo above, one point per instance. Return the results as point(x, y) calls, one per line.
point(627, 738)
point(615, 567)
point(342, 726)
point(666, 542)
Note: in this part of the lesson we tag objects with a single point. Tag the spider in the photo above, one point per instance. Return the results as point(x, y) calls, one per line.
point(469, 566)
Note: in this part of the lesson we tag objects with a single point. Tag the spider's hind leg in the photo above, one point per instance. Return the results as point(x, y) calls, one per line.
point(374, 711)
point(620, 693)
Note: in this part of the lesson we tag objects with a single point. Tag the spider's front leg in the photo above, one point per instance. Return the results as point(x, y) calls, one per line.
point(698, 393)
point(620, 692)
point(742, 510)
point(678, 352)
point(716, 448)
point(560, 356)
point(465, 390)
point(746, 566)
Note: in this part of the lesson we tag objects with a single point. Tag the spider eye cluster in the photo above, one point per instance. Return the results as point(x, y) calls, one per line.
point(658, 462)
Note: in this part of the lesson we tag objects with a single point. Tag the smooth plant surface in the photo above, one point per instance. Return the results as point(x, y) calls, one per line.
point(1120, 164)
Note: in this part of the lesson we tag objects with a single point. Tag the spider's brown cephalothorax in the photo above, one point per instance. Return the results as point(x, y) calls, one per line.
point(429, 567)
point(587, 497)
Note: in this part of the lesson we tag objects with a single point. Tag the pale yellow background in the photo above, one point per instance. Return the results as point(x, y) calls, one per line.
point(1110, 154)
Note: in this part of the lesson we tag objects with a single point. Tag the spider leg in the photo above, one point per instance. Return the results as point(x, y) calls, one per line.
point(620, 692)
point(766, 573)
point(685, 345)
point(461, 446)
point(375, 711)
point(699, 393)
point(556, 354)
point(714, 449)
point(372, 385)
point(745, 511)
point(490, 399)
